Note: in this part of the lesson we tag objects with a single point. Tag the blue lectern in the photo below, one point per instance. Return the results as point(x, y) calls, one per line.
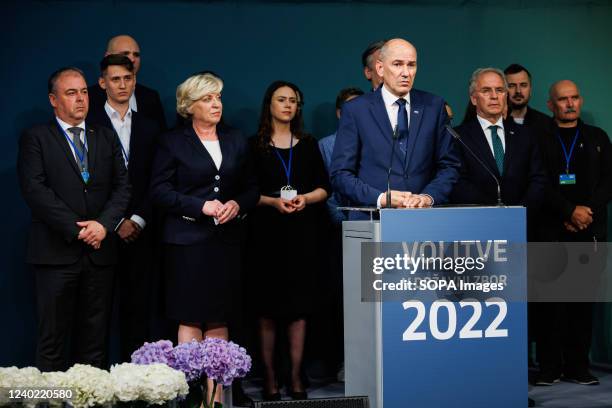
point(422, 354)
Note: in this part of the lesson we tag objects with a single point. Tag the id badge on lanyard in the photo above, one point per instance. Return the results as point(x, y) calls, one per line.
point(568, 178)
point(287, 192)
point(81, 157)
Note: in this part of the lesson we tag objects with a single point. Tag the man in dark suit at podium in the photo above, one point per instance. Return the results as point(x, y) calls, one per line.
point(144, 100)
point(138, 137)
point(73, 178)
point(424, 164)
point(509, 155)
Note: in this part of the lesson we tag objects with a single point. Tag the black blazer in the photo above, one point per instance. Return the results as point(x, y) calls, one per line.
point(147, 99)
point(537, 122)
point(185, 176)
point(143, 144)
point(523, 179)
point(54, 190)
point(598, 178)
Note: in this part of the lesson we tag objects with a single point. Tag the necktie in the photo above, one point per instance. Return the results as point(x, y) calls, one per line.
point(402, 118)
point(498, 149)
point(78, 145)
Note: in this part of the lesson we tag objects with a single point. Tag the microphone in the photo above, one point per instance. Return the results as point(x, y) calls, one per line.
point(458, 137)
point(394, 136)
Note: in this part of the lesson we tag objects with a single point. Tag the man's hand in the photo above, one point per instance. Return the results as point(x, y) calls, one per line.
point(418, 201)
point(228, 211)
point(92, 233)
point(582, 216)
point(398, 199)
point(128, 230)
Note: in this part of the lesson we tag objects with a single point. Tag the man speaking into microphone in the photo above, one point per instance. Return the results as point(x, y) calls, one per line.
point(391, 146)
point(499, 160)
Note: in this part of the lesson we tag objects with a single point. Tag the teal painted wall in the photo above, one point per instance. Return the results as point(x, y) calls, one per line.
point(316, 45)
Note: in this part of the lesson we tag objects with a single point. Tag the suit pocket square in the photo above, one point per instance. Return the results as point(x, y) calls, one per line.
point(188, 218)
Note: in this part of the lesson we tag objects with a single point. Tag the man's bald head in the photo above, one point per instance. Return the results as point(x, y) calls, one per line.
point(560, 85)
point(397, 65)
point(565, 102)
point(125, 45)
point(394, 45)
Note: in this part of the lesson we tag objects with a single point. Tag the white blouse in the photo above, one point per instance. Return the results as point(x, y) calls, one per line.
point(214, 149)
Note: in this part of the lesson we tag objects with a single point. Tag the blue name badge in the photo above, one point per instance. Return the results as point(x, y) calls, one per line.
point(567, 179)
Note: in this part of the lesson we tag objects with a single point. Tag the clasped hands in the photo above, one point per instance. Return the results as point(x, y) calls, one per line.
point(405, 199)
point(92, 233)
point(221, 212)
point(128, 230)
point(284, 206)
point(582, 217)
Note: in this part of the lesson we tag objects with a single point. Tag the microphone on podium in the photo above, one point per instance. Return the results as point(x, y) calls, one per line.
point(394, 136)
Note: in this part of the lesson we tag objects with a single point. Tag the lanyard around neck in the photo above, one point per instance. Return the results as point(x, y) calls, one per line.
point(286, 166)
point(568, 156)
point(81, 155)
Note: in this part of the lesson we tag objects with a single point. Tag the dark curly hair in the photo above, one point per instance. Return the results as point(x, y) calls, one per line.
point(265, 130)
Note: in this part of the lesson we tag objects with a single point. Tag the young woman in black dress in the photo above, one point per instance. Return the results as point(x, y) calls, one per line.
point(294, 186)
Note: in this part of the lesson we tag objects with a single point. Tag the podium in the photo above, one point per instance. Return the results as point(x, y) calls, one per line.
point(440, 366)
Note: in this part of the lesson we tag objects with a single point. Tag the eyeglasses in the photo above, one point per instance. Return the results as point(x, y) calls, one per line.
point(490, 91)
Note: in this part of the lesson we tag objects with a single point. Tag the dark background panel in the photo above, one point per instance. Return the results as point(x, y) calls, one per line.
point(315, 44)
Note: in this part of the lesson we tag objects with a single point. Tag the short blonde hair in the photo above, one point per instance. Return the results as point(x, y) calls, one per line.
point(195, 88)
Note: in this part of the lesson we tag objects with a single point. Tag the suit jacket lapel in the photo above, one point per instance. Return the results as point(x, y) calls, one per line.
point(61, 139)
point(379, 112)
point(133, 133)
point(482, 148)
point(92, 146)
point(224, 145)
point(197, 144)
point(509, 137)
point(417, 110)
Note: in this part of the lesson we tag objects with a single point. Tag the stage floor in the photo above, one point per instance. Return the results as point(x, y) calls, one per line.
point(561, 395)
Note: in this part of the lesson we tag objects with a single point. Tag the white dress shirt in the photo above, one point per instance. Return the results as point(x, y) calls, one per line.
point(123, 127)
point(133, 105)
point(392, 107)
point(500, 131)
point(65, 126)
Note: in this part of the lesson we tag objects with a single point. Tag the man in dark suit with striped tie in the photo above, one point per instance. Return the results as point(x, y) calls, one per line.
point(73, 178)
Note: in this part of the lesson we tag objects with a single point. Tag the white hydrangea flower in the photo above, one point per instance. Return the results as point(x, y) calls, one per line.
point(8, 376)
point(153, 383)
point(57, 379)
point(27, 377)
point(164, 384)
point(91, 386)
point(127, 381)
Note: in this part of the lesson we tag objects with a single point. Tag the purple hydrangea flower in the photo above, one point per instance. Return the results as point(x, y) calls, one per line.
point(189, 358)
point(224, 361)
point(158, 352)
